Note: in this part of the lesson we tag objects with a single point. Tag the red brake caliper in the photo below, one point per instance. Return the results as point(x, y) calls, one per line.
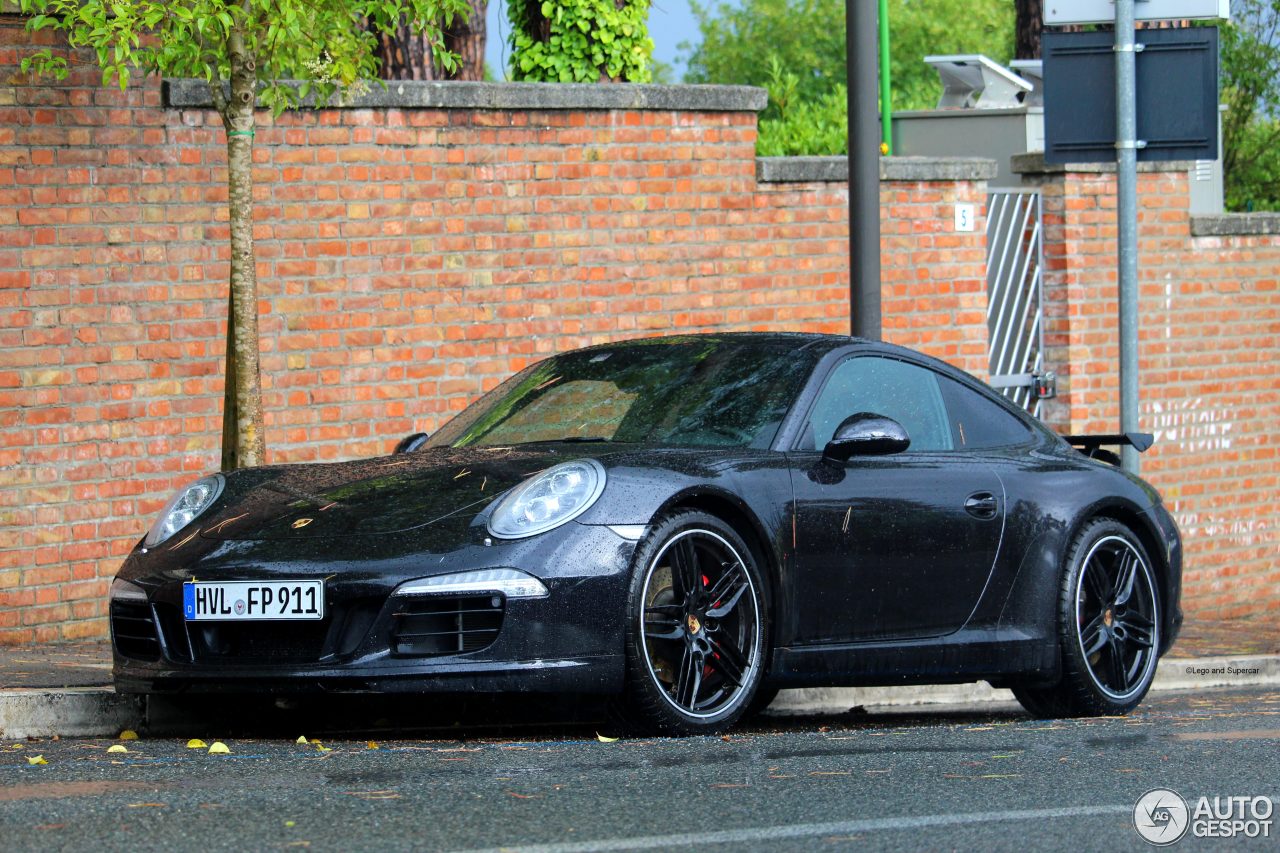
point(707, 670)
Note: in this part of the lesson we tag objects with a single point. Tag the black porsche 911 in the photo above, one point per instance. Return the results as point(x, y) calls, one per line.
point(687, 523)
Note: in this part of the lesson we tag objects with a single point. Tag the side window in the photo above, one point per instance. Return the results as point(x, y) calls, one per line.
point(885, 386)
point(977, 423)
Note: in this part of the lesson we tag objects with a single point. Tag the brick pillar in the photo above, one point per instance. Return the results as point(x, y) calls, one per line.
point(1081, 314)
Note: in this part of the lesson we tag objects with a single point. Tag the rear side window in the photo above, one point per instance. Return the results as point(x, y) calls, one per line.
point(976, 422)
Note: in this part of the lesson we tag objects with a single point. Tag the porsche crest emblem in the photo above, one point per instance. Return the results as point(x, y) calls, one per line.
point(301, 523)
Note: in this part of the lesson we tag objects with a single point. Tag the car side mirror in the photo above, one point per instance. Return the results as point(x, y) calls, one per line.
point(410, 443)
point(866, 434)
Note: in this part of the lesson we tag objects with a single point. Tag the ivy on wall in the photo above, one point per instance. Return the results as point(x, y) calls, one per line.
point(580, 41)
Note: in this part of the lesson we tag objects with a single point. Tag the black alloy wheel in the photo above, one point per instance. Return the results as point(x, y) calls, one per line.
point(1109, 611)
point(698, 627)
point(1115, 617)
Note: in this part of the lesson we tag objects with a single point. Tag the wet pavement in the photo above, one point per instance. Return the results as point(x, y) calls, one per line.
point(992, 780)
point(82, 664)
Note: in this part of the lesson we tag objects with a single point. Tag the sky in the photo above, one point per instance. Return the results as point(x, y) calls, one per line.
point(670, 22)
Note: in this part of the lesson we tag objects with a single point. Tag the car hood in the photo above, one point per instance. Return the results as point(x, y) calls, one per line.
point(385, 495)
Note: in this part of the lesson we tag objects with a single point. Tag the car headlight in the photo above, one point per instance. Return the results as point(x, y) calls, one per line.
point(183, 509)
point(557, 495)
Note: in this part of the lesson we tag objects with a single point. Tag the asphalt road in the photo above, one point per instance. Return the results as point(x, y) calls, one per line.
point(992, 781)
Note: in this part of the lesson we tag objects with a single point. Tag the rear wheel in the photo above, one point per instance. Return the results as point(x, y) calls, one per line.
point(697, 628)
point(1108, 625)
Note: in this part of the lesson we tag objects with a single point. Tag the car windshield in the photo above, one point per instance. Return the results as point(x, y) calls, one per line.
point(700, 392)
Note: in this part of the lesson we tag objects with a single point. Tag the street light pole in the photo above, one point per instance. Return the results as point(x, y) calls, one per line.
point(864, 169)
point(1127, 146)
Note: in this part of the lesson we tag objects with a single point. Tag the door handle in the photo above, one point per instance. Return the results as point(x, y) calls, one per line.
point(981, 505)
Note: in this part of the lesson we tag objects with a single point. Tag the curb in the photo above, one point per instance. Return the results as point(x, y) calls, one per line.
point(68, 712)
point(101, 712)
point(1171, 674)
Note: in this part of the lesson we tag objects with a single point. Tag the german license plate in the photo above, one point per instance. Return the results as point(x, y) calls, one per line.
point(252, 600)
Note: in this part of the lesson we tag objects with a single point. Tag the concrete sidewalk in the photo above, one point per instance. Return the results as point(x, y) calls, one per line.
point(65, 689)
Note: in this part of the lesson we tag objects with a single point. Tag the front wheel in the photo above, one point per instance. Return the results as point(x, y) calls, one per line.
point(1109, 627)
point(697, 628)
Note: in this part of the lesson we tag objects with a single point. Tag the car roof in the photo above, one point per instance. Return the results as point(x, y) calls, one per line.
point(795, 341)
point(814, 342)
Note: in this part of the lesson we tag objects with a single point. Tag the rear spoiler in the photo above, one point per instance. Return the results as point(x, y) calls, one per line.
point(1089, 444)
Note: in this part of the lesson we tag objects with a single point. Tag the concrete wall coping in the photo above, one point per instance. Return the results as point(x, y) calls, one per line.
point(801, 170)
point(1235, 224)
point(1033, 163)
point(457, 94)
point(969, 113)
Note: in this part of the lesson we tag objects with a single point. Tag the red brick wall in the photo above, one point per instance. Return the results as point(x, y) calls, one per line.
point(408, 260)
point(1208, 346)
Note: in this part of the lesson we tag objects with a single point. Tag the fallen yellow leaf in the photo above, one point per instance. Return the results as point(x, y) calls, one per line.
point(315, 740)
point(219, 748)
point(604, 739)
point(289, 823)
point(128, 734)
point(371, 745)
point(196, 743)
point(302, 739)
point(119, 747)
point(36, 759)
point(323, 748)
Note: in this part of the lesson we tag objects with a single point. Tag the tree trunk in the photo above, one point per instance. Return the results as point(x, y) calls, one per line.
point(1030, 23)
point(244, 386)
point(229, 391)
point(405, 55)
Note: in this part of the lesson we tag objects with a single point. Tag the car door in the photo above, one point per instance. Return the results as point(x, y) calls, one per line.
point(889, 547)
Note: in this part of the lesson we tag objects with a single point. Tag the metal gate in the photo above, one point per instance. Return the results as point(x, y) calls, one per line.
point(1014, 297)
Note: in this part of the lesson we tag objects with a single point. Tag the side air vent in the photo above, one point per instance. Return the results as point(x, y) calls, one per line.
point(446, 625)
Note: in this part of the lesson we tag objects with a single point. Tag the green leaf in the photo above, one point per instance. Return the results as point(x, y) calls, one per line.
point(582, 40)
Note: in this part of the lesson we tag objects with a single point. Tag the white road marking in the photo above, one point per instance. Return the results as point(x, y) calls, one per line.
point(803, 830)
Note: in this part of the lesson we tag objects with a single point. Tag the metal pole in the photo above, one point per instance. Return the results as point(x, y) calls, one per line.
point(1127, 146)
point(864, 169)
point(886, 83)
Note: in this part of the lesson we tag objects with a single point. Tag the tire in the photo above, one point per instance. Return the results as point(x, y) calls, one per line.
point(760, 703)
point(697, 628)
point(1108, 627)
point(1041, 703)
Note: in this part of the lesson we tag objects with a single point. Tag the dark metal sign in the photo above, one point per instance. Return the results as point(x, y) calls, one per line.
point(1177, 92)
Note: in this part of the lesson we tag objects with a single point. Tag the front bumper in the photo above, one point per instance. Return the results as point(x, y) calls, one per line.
point(570, 641)
point(587, 674)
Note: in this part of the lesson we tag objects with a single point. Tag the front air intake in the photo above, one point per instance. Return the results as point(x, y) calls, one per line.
point(435, 625)
point(133, 630)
